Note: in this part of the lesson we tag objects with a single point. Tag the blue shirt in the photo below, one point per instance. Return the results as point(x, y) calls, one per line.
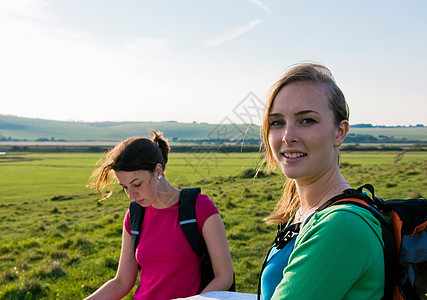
point(273, 272)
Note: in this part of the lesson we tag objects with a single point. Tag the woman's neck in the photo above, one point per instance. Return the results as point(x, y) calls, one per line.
point(313, 194)
point(167, 195)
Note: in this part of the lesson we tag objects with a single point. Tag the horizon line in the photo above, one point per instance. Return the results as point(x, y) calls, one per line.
point(193, 122)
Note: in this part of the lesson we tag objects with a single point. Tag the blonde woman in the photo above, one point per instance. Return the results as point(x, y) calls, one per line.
point(335, 253)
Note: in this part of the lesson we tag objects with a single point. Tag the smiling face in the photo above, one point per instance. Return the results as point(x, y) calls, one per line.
point(302, 134)
point(140, 185)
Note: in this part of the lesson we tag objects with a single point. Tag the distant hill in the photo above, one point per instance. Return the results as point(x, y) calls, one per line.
point(13, 128)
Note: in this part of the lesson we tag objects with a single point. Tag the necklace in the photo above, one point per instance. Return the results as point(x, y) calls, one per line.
point(300, 214)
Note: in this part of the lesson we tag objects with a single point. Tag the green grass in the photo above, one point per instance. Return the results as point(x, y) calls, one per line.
point(58, 242)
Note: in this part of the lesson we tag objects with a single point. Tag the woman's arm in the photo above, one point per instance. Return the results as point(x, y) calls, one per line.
point(213, 232)
point(122, 283)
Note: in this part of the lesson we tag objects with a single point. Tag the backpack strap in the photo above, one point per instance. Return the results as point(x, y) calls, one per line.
point(188, 221)
point(357, 197)
point(136, 216)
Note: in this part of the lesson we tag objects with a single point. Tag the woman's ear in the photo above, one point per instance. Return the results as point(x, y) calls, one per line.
point(341, 133)
point(159, 169)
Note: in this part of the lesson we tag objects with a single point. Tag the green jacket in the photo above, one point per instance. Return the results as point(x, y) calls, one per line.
point(337, 255)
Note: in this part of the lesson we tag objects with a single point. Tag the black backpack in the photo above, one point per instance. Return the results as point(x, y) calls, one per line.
point(187, 220)
point(404, 232)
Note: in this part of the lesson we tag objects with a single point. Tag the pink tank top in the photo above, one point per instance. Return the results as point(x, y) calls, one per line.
point(170, 268)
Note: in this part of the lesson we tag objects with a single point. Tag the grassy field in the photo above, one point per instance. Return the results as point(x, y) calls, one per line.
point(58, 242)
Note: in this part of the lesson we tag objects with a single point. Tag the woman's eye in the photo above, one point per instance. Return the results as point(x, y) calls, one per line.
point(276, 123)
point(308, 121)
point(137, 185)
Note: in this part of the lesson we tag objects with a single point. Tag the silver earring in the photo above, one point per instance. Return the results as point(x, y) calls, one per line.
point(159, 177)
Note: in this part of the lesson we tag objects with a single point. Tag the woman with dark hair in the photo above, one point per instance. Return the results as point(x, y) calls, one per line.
point(169, 267)
point(337, 252)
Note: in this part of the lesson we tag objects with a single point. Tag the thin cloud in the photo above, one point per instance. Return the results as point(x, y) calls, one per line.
point(261, 5)
point(29, 9)
point(233, 33)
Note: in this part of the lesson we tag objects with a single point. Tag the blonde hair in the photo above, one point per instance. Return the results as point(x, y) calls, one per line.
point(130, 155)
point(308, 72)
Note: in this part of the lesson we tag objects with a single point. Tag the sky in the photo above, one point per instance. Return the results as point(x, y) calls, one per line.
point(207, 61)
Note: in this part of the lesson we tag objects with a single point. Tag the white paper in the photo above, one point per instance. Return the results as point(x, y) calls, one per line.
point(222, 296)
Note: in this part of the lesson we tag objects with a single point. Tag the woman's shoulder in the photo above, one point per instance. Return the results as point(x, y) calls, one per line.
point(203, 202)
point(355, 220)
point(346, 213)
point(204, 199)
point(204, 209)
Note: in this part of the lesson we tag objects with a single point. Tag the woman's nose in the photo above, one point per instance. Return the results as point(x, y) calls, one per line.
point(132, 194)
point(289, 135)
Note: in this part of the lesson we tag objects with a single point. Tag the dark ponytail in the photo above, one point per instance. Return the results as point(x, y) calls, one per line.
point(130, 155)
point(163, 145)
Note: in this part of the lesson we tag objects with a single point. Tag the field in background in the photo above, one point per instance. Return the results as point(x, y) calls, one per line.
point(13, 128)
point(58, 241)
point(412, 133)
